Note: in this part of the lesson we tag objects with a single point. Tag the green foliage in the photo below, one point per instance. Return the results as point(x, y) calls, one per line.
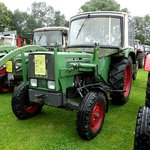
point(43, 14)
point(55, 129)
point(5, 18)
point(124, 10)
point(59, 20)
point(100, 5)
point(142, 29)
point(46, 16)
point(24, 23)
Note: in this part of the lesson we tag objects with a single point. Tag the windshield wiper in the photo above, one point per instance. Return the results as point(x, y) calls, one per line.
point(40, 38)
point(83, 24)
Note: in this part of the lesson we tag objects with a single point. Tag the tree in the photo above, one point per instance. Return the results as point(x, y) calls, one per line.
point(59, 20)
point(142, 29)
point(43, 14)
point(5, 18)
point(23, 23)
point(47, 16)
point(100, 5)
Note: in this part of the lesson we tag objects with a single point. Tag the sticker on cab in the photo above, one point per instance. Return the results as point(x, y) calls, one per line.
point(9, 66)
point(40, 67)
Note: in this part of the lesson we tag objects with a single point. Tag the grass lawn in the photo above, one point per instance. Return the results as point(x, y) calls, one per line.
point(55, 129)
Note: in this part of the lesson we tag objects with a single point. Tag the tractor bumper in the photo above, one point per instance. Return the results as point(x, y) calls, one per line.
point(53, 99)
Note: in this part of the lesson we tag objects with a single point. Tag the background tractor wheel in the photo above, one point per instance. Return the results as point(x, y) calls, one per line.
point(6, 89)
point(135, 69)
point(4, 86)
point(121, 79)
point(91, 115)
point(142, 130)
point(140, 58)
point(147, 102)
point(21, 105)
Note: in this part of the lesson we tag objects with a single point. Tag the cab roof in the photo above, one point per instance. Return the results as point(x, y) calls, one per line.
point(51, 29)
point(100, 13)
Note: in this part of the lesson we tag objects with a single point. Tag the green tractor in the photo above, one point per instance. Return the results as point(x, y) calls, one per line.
point(9, 41)
point(44, 37)
point(98, 64)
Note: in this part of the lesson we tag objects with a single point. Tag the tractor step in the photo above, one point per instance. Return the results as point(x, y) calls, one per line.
point(72, 105)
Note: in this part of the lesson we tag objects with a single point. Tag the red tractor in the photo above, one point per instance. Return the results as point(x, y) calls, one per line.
point(142, 130)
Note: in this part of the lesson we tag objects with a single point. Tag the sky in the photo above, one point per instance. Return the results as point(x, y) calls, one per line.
point(71, 7)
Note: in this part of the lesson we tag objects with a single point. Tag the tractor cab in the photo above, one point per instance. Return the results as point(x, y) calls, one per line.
point(10, 38)
point(112, 30)
point(48, 36)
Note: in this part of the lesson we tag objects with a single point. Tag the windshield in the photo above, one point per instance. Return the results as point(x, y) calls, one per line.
point(147, 49)
point(86, 31)
point(6, 41)
point(47, 38)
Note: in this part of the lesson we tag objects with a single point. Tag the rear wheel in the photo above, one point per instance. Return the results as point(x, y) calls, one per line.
point(21, 105)
point(140, 58)
point(121, 79)
point(142, 130)
point(91, 115)
point(135, 69)
point(147, 102)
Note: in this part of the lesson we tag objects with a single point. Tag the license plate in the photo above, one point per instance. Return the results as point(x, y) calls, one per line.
point(40, 67)
point(9, 66)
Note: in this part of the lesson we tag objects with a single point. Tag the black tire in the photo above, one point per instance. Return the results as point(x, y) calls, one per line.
point(4, 87)
point(140, 58)
point(121, 79)
point(91, 115)
point(135, 69)
point(147, 101)
point(142, 130)
point(21, 106)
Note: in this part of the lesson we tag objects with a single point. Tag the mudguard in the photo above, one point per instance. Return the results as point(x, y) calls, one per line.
point(21, 50)
point(2, 72)
point(147, 63)
point(7, 48)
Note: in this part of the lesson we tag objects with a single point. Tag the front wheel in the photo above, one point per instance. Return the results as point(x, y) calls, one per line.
point(142, 130)
point(91, 115)
point(4, 86)
point(21, 105)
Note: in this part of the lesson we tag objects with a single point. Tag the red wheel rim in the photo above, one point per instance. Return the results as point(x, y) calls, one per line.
point(127, 81)
point(32, 108)
point(6, 89)
point(97, 116)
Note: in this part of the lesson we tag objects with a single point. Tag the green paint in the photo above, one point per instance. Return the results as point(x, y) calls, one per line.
point(7, 48)
point(17, 51)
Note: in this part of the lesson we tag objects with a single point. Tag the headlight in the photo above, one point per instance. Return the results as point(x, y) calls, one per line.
point(18, 66)
point(33, 82)
point(51, 85)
